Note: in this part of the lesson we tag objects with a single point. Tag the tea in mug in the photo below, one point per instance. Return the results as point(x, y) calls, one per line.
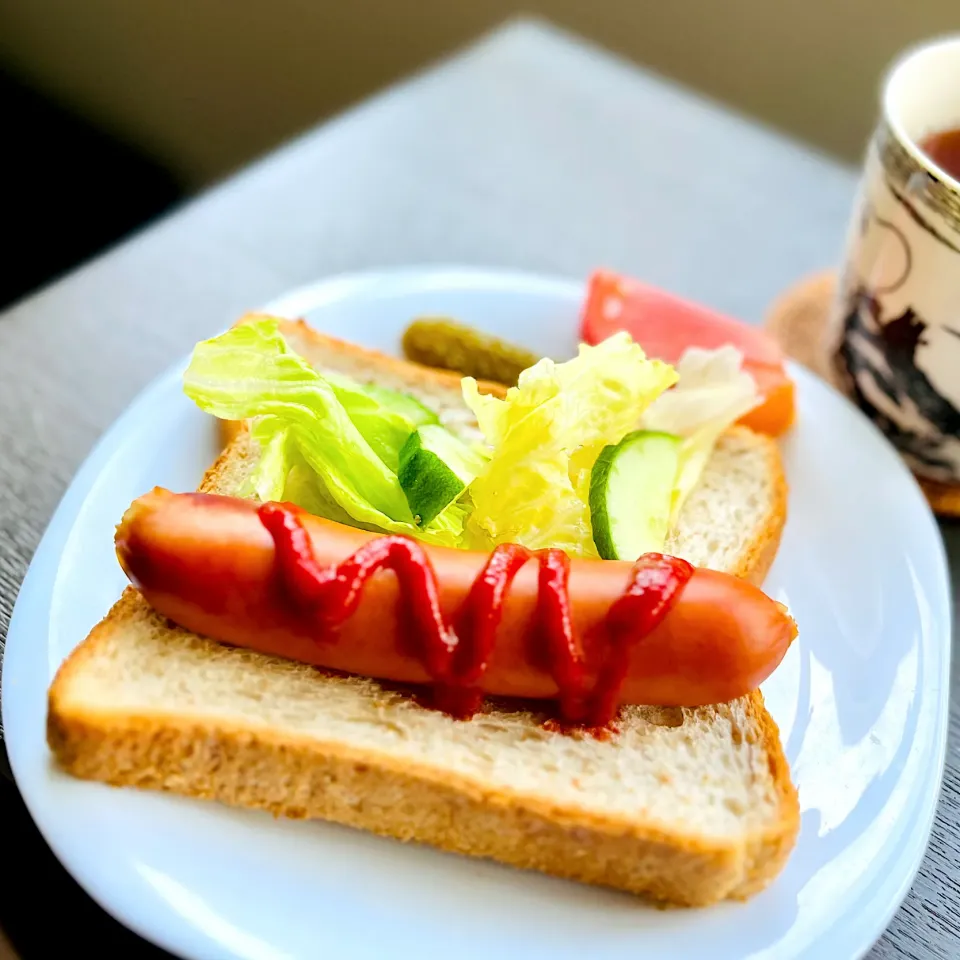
point(944, 150)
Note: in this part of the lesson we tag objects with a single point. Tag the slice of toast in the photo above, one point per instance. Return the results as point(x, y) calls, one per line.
point(688, 806)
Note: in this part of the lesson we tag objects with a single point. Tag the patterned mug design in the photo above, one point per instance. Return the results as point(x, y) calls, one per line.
point(897, 328)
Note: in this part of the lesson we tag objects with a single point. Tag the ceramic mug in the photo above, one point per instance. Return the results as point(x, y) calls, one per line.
point(894, 333)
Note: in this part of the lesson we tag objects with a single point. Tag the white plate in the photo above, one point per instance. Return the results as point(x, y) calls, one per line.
point(861, 702)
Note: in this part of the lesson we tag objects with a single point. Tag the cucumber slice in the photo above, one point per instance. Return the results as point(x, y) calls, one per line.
point(435, 468)
point(631, 487)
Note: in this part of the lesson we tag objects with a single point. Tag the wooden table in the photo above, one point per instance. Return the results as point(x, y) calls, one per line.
point(530, 150)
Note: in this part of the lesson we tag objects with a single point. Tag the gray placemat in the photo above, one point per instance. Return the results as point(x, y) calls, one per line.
point(4, 762)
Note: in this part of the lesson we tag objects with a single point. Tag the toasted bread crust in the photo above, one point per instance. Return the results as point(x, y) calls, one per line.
point(757, 556)
point(768, 852)
point(302, 777)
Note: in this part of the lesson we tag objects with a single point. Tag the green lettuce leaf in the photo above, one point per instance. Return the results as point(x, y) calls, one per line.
point(383, 428)
point(545, 437)
point(304, 488)
point(340, 445)
point(332, 445)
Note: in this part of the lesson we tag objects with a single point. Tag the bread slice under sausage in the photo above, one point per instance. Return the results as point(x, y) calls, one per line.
point(688, 806)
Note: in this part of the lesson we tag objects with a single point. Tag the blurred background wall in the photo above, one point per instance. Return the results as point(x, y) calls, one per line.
point(204, 85)
point(113, 110)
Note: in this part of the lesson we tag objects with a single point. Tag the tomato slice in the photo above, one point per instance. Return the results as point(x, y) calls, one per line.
point(665, 326)
point(778, 410)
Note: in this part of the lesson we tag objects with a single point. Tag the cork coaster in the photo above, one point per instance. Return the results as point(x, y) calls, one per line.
point(797, 319)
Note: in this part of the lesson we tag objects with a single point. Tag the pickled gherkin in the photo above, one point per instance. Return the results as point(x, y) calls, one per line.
point(448, 345)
